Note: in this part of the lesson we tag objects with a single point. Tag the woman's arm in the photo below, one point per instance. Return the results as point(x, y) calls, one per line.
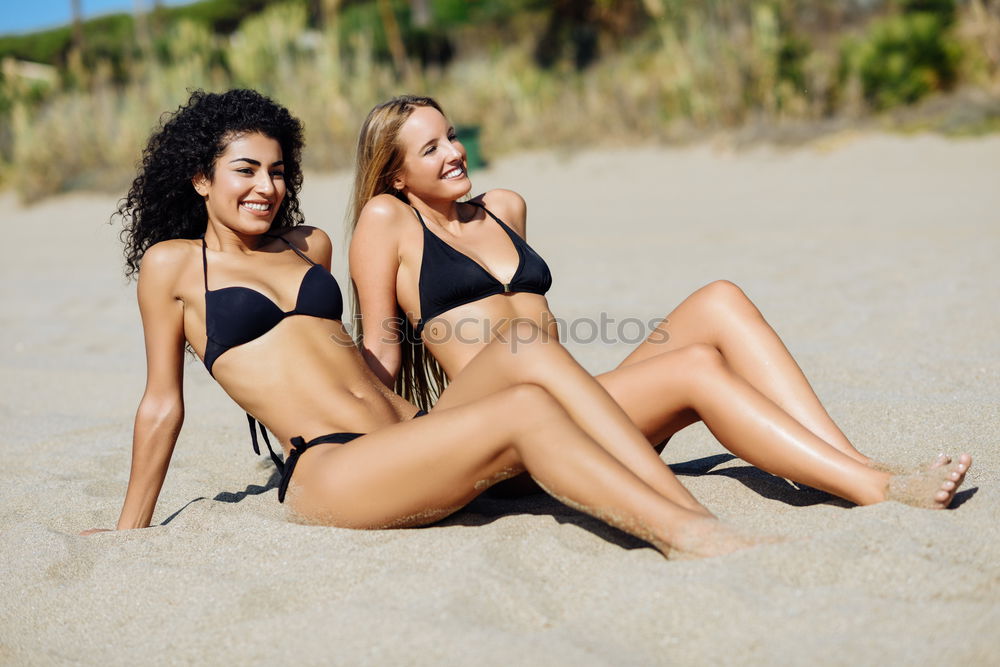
point(161, 410)
point(374, 263)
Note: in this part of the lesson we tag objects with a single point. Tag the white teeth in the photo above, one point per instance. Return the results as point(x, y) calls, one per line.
point(454, 173)
point(256, 207)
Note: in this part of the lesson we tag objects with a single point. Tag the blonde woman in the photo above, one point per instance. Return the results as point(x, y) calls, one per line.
point(429, 267)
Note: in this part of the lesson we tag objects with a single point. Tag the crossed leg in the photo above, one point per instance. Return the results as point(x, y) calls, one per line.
point(419, 471)
point(720, 314)
point(694, 382)
point(538, 358)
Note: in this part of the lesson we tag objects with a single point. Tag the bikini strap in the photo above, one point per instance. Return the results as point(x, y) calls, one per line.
point(514, 236)
point(488, 211)
point(204, 261)
point(474, 203)
point(254, 425)
point(292, 246)
point(420, 218)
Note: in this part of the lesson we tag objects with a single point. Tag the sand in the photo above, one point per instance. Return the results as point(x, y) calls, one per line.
point(873, 256)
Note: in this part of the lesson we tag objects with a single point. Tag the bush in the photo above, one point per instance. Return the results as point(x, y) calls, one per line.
point(903, 58)
point(48, 46)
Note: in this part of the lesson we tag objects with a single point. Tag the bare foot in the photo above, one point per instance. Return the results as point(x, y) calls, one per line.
point(706, 538)
point(931, 489)
point(941, 460)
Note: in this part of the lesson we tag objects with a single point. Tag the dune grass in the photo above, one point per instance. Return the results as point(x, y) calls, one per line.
point(688, 72)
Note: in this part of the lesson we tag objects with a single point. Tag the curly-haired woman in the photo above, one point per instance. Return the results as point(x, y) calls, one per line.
point(455, 267)
point(212, 227)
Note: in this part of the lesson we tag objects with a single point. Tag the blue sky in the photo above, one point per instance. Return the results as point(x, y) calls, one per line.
point(29, 15)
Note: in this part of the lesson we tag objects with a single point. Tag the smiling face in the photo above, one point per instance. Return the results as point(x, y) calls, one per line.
point(247, 186)
point(433, 158)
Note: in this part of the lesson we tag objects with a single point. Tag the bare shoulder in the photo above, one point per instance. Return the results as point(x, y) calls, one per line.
point(503, 198)
point(307, 234)
point(167, 259)
point(168, 269)
point(507, 205)
point(313, 241)
point(383, 212)
point(383, 218)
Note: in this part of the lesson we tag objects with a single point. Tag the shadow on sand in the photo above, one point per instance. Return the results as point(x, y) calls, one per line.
point(231, 496)
point(762, 483)
point(486, 509)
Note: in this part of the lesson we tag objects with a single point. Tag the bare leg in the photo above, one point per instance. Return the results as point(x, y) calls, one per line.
point(419, 471)
point(722, 316)
point(535, 357)
point(640, 389)
point(696, 381)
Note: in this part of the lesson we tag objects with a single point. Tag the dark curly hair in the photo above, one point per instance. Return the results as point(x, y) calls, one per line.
point(162, 203)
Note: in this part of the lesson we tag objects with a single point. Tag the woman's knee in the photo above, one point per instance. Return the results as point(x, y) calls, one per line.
point(536, 420)
point(723, 293)
point(528, 403)
point(530, 410)
point(699, 358)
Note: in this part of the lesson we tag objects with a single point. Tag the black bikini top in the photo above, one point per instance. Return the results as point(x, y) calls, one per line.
point(449, 279)
point(238, 315)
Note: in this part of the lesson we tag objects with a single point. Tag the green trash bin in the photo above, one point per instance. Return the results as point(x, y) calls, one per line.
point(469, 136)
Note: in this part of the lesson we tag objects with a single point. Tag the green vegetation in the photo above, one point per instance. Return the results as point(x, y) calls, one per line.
point(904, 57)
point(528, 73)
point(114, 34)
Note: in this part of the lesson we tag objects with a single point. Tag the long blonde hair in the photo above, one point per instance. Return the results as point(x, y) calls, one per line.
point(380, 157)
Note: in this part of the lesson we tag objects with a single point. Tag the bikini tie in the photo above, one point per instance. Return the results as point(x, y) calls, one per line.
point(298, 446)
point(254, 424)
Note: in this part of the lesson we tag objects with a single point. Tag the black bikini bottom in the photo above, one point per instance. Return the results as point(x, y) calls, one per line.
point(299, 445)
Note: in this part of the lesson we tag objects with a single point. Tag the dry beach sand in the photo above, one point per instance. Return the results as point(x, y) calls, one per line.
point(874, 257)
